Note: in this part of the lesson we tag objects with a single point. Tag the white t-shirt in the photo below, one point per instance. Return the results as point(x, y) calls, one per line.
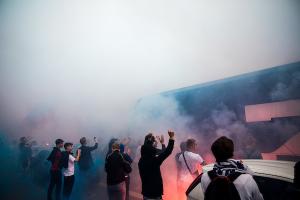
point(193, 160)
point(70, 170)
point(245, 185)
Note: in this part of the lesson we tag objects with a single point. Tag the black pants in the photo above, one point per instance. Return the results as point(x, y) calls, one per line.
point(68, 186)
point(55, 181)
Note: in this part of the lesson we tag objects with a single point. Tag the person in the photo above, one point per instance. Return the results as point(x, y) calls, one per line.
point(189, 162)
point(293, 192)
point(68, 161)
point(86, 161)
point(229, 179)
point(116, 168)
point(127, 157)
point(149, 168)
point(25, 153)
point(55, 170)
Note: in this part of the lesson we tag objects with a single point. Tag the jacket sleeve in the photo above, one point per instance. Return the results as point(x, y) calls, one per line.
point(163, 155)
point(127, 158)
point(126, 166)
point(106, 163)
point(93, 147)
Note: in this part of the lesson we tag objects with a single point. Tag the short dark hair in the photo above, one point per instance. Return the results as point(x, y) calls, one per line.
point(190, 143)
point(222, 149)
point(59, 141)
point(82, 140)
point(149, 139)
point(67, 144)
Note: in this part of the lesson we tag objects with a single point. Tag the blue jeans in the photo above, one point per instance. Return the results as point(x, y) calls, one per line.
point(117, 192)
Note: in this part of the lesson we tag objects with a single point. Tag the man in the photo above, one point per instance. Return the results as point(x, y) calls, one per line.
point(86, 160)
point(149, 168)
point(230, 174)
point(116, 168)
point(55, 171)
point(189, 162)
point(68, 170)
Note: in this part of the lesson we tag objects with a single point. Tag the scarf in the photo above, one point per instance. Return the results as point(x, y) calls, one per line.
point(231, 166)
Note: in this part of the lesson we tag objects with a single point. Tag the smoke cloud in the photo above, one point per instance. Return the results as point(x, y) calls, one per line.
point(71, 68)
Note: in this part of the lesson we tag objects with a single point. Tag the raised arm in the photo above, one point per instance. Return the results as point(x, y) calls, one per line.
point(95, 146)
point(161, 157)
point(78, 155)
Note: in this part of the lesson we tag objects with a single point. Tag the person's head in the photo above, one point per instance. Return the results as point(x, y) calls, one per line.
point(191, 145)
point(68, 146)
point(59, 143)
point(150, 140)
point(222, 149)
point(115, 146)
point(83, 141)
point(297, 175)
point(183, 146)
point(111, 142)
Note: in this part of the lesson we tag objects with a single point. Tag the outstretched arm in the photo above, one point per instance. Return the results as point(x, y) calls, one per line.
point(161, 157)
point(95, 146)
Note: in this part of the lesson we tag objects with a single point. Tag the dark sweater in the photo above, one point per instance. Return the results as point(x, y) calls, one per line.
point(116, 168)
point(55, 159)
point(149, 168)
point(86, 160)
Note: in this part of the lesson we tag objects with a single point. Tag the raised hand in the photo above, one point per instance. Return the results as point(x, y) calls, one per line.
point(171, 134)
point(95, 140)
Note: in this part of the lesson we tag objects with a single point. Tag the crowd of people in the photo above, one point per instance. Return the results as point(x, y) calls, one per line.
point(62, 164)
point(229, 177)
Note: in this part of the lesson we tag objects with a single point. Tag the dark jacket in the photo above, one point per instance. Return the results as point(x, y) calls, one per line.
point(149, 168)
point(55, 159)
point(86, 160)
point(159, 151)
point(116, 168)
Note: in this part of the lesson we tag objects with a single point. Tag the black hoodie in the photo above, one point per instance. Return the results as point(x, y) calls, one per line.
point(149, 168)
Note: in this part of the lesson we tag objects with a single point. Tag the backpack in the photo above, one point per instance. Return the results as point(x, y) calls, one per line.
point(222, 187)
point(64, 161)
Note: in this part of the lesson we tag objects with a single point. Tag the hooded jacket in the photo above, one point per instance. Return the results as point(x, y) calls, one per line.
point(149, 168)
